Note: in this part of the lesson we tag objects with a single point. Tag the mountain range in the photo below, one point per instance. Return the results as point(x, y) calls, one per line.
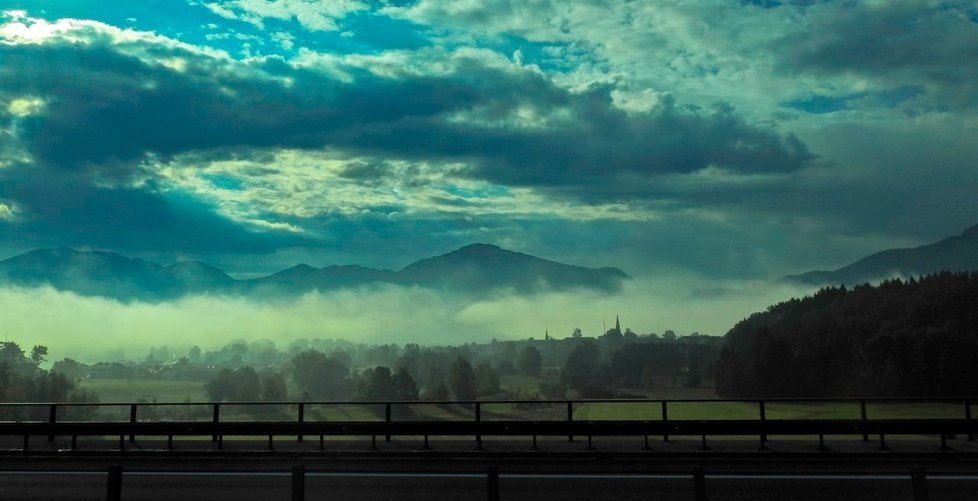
point(957, 253)
point(474, 269)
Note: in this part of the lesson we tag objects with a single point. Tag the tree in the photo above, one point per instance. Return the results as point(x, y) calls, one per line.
point(22, 380)
point(461, 379)
point(577, 333)
point(317, 375)
point(222, 386)
point(273, 387)
point(581, 367)
point(69, 367)
point(404, 386)
point(248, 383)
point(613, 336)
point(39, 355)
point(12, 355)
point(376, 384)
point(629, 336)
point(241, 384)
point(487, 383)
point(437, 391)
point(530, 362)
point(380, 384)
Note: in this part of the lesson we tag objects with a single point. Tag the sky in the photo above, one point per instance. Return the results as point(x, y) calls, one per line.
point(717, 140)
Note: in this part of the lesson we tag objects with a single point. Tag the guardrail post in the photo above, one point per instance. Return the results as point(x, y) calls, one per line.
point(387, 419)
point(967, 416)
point(113, 491)
point(298, 482)
point(52, 418)
point(862, 415)
point(665, 419)
point(302, 416)
point(570, 418)
point(492, 483)
point(699, 484)
point(918, 479)
point(762, 408)
point(217, 419)
point(132, 419)
point(478, 419)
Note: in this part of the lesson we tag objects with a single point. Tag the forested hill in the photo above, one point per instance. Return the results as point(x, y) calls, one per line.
point(900, 338)
point(957, 253)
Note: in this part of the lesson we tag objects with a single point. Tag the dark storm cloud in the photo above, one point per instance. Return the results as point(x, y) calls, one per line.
point(67, 210)
point(900, 42)
point(109, 110)
point(112, 114)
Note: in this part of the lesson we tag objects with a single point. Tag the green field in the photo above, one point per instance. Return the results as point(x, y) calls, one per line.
point(518, 384)
point(774, 410)
point(134, 390)
point(125, 390)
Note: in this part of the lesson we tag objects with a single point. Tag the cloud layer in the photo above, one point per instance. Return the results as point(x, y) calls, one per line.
point(737, 139)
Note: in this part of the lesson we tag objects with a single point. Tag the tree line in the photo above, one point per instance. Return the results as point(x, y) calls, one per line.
point(591, 367)
point(916, 337)
point(23, 380)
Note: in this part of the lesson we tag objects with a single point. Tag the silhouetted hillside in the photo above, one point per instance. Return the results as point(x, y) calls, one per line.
point(483, 266)
point(901, 338)
point(475, 269)
point(111, 275)
point(304, 278)
point(958, 253)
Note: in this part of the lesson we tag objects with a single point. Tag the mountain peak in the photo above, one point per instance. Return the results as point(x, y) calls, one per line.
point(476, 268)
point(478, 246)
point(479, 249)
point(481, 267)
point(956, 253)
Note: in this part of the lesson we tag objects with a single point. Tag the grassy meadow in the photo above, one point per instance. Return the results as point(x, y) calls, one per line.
point(159, 390)
point(134, 390)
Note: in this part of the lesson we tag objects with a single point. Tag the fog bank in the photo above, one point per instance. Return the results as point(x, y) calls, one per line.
point(94, 328)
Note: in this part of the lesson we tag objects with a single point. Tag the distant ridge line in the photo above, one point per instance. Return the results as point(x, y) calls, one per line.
point(473, 269)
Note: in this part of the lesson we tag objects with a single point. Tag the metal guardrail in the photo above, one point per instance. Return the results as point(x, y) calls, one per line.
point(656, 425)
point(702, 428)
point(474, 425)
point(114, 480)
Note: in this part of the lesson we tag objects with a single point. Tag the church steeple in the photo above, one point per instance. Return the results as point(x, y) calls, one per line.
point(617, 325)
